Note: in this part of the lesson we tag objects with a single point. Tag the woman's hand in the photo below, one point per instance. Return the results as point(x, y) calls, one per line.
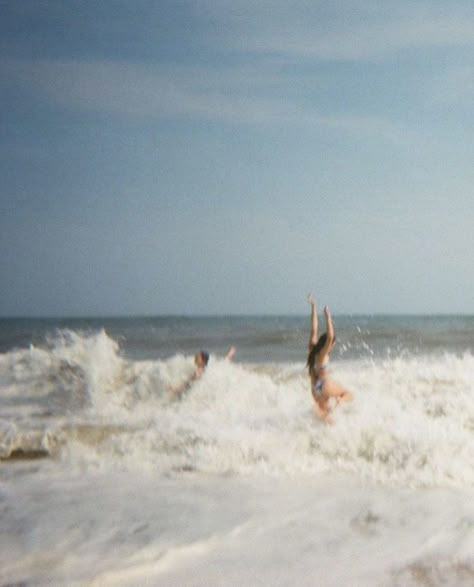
point(310, 299)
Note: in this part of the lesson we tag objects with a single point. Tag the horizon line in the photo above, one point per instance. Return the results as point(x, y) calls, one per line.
point(230, 315)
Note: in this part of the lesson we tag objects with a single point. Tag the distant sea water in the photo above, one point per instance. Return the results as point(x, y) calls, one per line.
point(106, 478)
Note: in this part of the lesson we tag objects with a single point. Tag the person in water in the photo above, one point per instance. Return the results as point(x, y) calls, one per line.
point(201, 359)
point(322, 387)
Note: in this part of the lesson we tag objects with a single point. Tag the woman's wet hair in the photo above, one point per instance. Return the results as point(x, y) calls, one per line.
point(204, 356)
point(316, 349)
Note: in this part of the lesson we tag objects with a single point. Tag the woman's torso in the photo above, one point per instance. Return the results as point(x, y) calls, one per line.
point(318, 375)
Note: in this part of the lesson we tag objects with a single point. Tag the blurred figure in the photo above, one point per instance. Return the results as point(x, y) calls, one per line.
point(322, 387)
point(201, 360)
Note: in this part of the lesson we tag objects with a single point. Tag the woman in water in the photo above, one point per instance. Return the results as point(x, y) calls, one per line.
point(201, 360)
point(322, 387)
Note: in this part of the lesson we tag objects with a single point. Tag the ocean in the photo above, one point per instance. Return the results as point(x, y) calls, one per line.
point(108, 478)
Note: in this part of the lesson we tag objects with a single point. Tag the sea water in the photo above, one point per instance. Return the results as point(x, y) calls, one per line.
point(107, 477)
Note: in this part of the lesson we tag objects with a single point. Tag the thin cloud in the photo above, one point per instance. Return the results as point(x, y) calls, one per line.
point(352, 31)
point(241, 95)
point(454, 87)
point(364, 42)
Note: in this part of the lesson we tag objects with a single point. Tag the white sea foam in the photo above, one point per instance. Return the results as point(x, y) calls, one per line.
point(118, 529)
point(411, 422)
point(236, 483)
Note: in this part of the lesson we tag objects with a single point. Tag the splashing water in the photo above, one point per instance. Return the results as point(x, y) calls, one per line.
point(80, 400)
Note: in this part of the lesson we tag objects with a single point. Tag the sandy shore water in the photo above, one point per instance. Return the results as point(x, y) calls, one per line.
point(118, 529)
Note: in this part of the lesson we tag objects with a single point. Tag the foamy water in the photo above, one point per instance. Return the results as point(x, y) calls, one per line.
point(109, 479)
point(81, 402)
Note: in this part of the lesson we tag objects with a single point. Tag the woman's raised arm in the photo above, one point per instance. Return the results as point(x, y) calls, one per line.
point(329, 330)
point(313, 337)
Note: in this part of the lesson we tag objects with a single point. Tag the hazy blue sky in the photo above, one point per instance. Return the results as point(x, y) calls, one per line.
point(227, 156)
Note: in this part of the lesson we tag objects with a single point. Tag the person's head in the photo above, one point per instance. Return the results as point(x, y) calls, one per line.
point(316, 349)
point(201, 359)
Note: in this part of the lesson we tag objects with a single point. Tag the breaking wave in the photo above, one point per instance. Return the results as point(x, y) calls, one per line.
point(79, 400)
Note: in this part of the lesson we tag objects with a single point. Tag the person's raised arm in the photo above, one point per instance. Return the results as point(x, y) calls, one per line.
point(230, 353)
point(313, 337)
point(329, 331)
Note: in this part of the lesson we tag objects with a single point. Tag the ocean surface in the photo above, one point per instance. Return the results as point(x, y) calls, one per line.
point(109, 478)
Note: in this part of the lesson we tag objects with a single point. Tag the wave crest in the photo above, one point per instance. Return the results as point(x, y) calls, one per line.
point(411, 422)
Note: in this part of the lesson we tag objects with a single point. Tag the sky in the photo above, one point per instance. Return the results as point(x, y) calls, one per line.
point(226, 157)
